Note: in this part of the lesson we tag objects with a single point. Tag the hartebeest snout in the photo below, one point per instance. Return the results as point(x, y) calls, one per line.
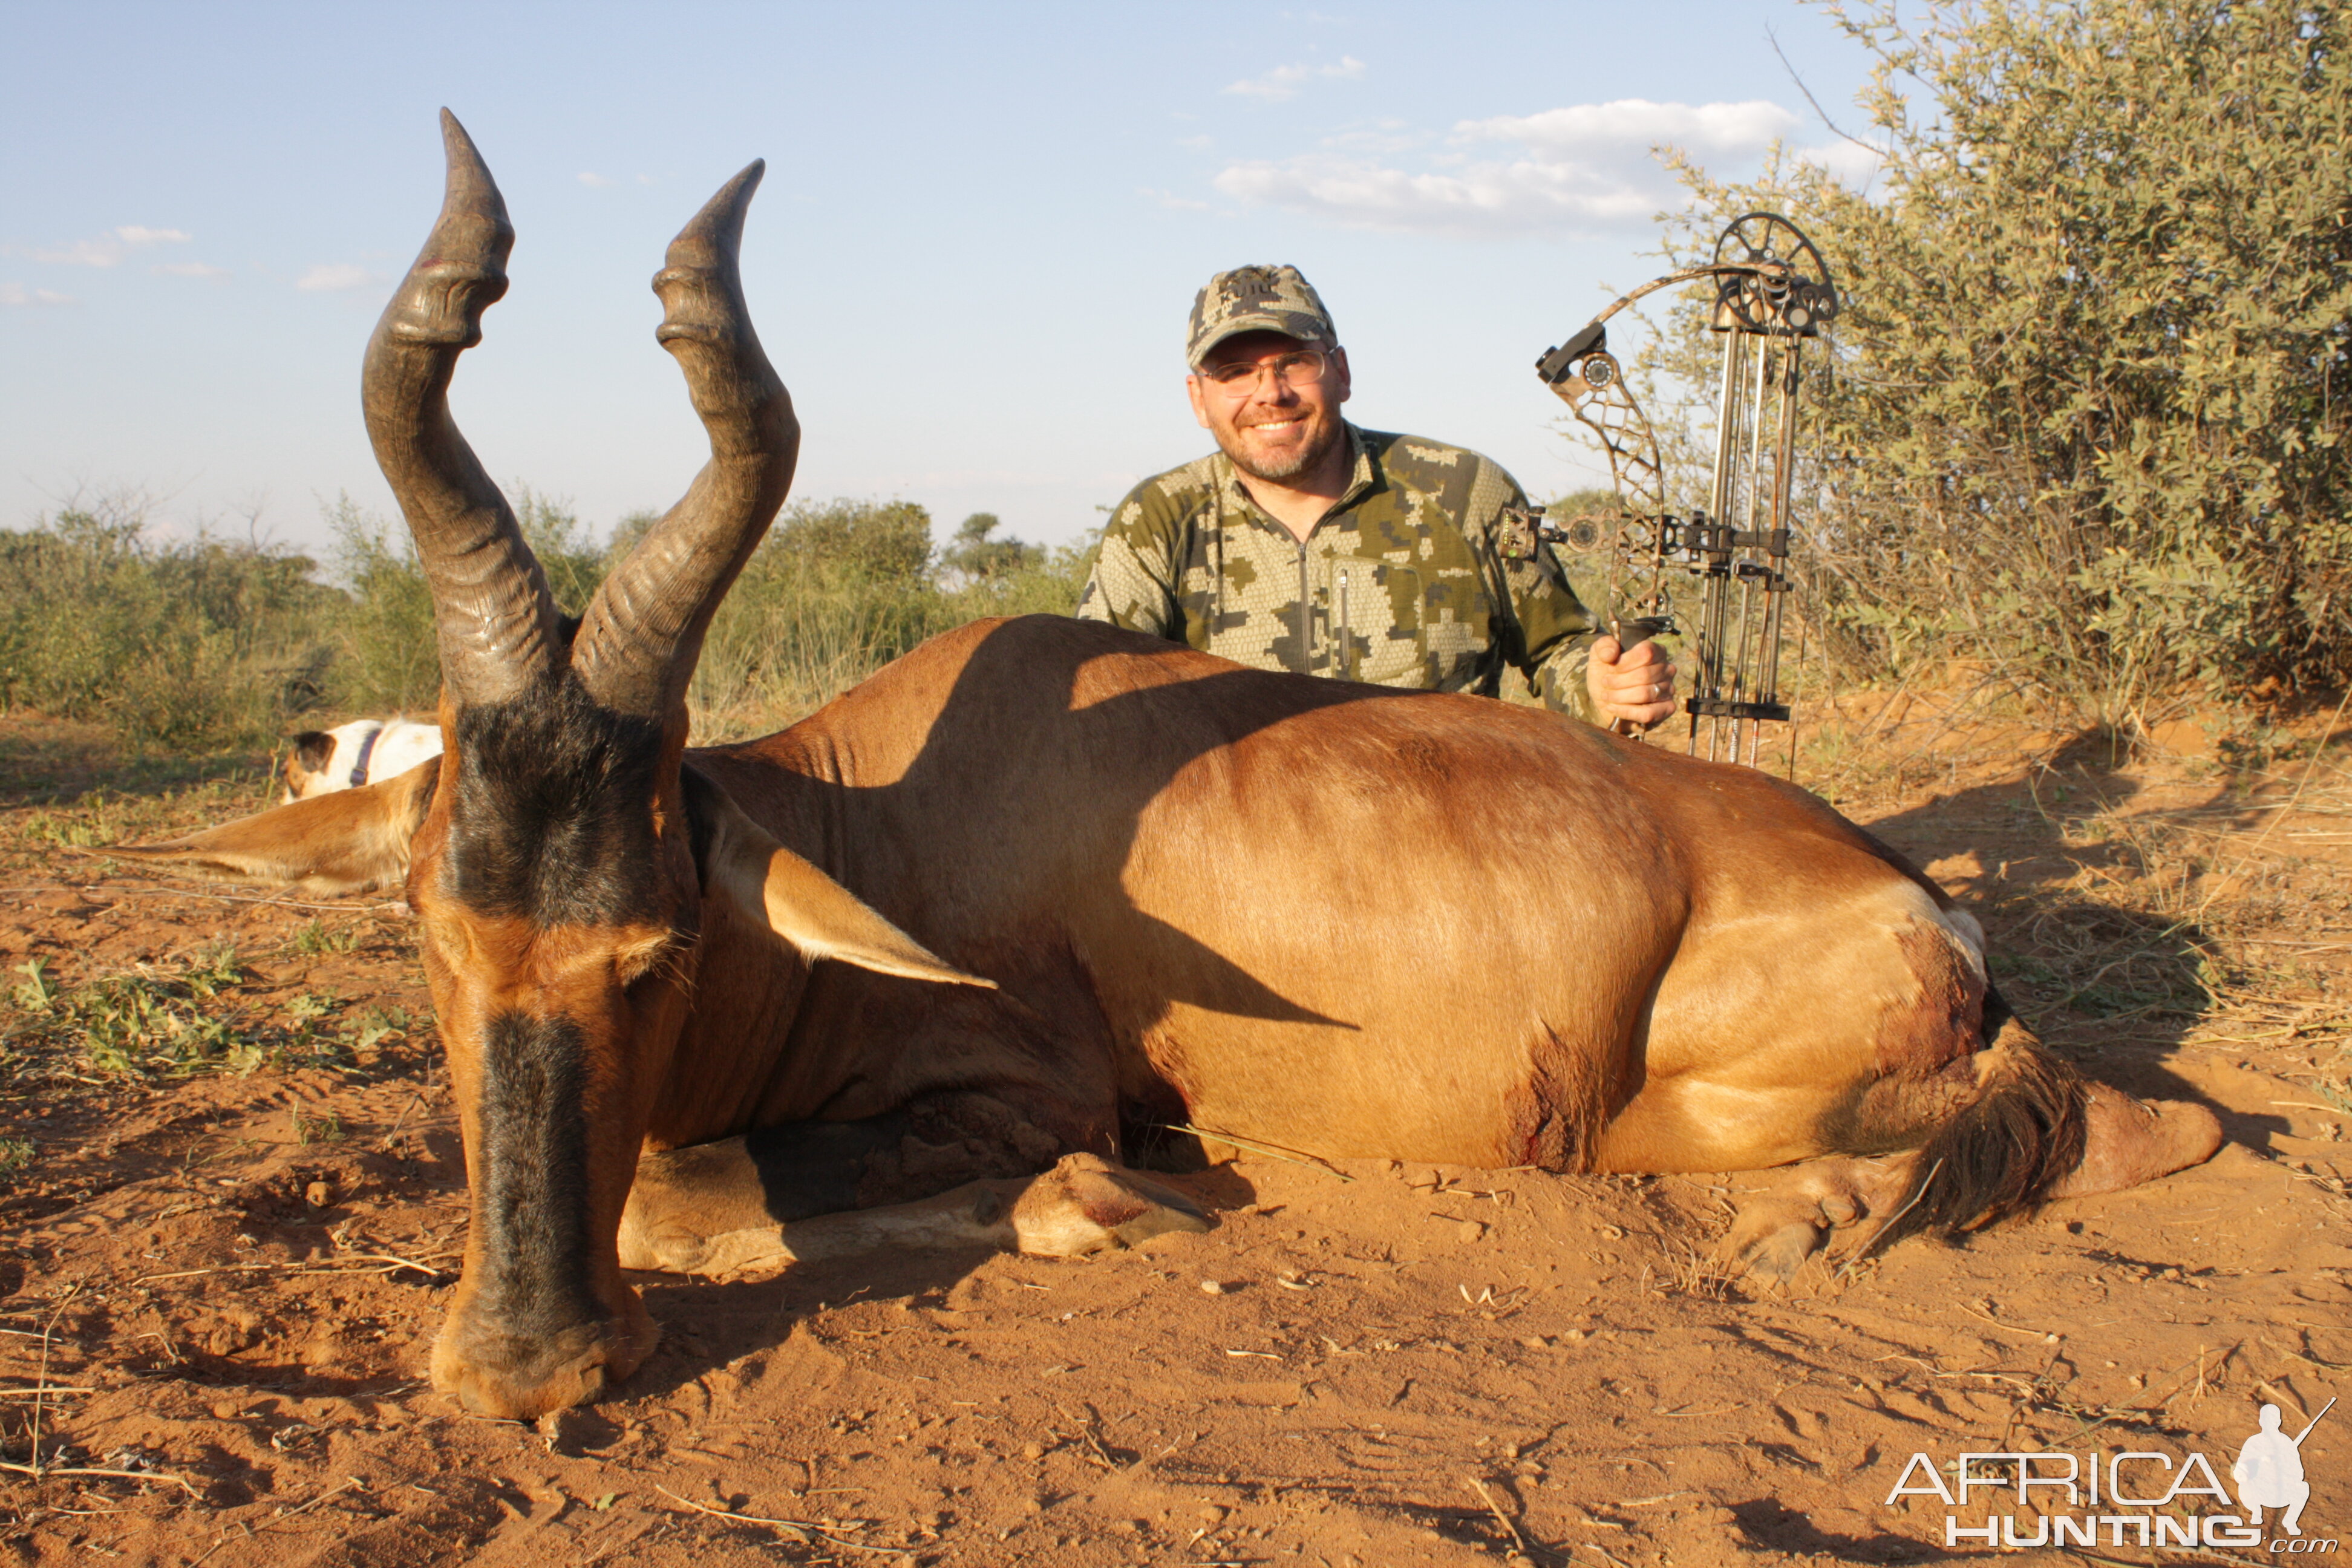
point(690, 999)
point(549, 853)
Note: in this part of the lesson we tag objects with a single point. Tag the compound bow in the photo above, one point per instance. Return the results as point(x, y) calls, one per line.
point(1772, 293)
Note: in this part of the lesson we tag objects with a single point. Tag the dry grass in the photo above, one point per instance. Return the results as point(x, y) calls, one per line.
point(2139, 903)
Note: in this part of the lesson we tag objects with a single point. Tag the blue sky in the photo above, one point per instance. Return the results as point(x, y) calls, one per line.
point(981, 230)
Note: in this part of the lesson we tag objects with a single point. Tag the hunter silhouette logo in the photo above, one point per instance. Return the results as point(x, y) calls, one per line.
point(2269, 1471)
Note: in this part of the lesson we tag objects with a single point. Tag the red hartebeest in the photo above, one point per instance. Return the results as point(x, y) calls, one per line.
point(1041, 881)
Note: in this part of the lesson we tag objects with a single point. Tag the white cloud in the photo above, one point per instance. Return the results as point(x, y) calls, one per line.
point(17, 294)
point(83, 253)
point(1171, 200)
point(1388, 136)
point(593, 180)
point(1850, 165)
point(334, 276)
point(110, 248)
point(1284, 81)
point(1521, 194)
point(190, 269)
point(1585, 165)
point(1637, 122)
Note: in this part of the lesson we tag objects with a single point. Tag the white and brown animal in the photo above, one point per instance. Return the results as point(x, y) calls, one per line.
point(1043, 883)
point(363, 751)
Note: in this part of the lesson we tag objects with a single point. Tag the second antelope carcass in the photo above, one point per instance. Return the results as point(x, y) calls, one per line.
point(1039, 884)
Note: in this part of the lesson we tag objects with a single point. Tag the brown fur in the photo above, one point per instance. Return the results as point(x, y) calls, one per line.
point(2002, 1151)
point(1039, 881)
point(1200, 888)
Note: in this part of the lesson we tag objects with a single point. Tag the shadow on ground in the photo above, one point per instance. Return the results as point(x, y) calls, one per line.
point(2080, 939)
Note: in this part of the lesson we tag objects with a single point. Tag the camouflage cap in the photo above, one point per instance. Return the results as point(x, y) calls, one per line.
point(1255, 299)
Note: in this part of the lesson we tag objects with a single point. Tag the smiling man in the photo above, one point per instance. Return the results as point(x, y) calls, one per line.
point(1305, 543)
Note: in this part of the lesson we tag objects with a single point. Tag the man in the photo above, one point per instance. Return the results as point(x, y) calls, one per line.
point(1305, 543)
point(2269, 1472)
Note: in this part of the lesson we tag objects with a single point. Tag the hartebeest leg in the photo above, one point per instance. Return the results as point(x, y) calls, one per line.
point(710, 1209)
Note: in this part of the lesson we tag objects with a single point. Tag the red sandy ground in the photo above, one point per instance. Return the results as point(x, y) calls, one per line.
point(1372, 1365)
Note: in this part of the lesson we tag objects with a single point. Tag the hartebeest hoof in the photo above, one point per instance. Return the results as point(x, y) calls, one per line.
point(1084, 1204)
point(1777, 1229)
point(688, 1217)
point(2127, 1141)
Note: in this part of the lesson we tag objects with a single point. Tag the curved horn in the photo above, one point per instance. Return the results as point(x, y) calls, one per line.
point(639, 640)
point(495, 619)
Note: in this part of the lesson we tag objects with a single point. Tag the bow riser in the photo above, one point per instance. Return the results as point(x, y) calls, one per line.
point(1772, 294)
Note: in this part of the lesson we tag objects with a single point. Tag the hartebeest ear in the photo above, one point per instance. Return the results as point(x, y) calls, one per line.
point(803, 907)
point(354, 841)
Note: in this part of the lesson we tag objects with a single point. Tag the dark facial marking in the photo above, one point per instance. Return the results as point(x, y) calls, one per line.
point(553, 818)
point(534, 1162)
point(312, 748)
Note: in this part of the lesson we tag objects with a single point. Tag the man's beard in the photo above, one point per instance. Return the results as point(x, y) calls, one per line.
point(1276, 469)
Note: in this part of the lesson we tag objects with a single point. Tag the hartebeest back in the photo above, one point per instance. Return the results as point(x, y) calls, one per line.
point(683, 1012)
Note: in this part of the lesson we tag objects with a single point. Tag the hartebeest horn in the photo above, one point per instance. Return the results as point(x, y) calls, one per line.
point(640, 638)
point(496, 618)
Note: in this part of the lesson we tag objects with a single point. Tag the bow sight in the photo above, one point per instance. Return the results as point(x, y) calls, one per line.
point(1772, 291)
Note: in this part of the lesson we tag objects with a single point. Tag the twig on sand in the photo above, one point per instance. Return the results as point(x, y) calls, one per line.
point(2120, 1563)
point(43, 1472)
point(364, 1262)
point(112, 892)
point(41, 1385)
point(800, 1526)
point(2043, 1335)
point(1286, 1156)
point(1868, 1247)
point(1475, 1485)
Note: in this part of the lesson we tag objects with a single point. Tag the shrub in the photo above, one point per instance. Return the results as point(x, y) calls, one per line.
point(191, 644)
point(206, 644)
point(2082, 419)
point(840, 588)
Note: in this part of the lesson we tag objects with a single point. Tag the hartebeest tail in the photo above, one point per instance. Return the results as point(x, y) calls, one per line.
point(2005, 1150)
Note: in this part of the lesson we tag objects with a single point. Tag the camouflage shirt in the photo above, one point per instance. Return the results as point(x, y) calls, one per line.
point(1415, 561)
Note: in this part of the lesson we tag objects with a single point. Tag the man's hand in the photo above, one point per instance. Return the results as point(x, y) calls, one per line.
point(1635, 686)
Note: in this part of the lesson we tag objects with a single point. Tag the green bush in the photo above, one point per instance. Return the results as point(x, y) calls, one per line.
point(840, 588)
point(2081, 420)
point(389, 661)
point(206, 644)
point(193, 645)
